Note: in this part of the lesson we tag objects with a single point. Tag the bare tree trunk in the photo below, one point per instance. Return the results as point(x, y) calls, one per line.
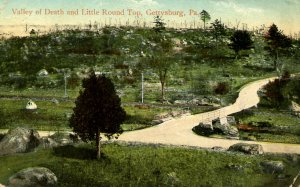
point(162, 91)
point(98, 145)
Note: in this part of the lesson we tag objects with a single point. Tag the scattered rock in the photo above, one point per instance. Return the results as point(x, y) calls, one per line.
point(205, 129)
point(166, 116)
point(295, 108)
point(231, 120)
point(63, 138)
point(47, 142)
point(43, 73)
point(180, 102)
point(37, 176)
point(226, 128)
point(272, 167)
point(31, 105)
point(235, 167)
point(55, 101)
point(19, 140)
point(252, 149)
point(217, 148)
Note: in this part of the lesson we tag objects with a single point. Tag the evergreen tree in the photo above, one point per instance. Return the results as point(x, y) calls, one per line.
point(98, 110)
point(218, 29)
point(159, 24)
point(240, 40)
point(205, 17)
point(277, 43)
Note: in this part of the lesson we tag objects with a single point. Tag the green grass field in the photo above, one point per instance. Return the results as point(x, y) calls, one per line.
point(149, 166)
point(283, 126)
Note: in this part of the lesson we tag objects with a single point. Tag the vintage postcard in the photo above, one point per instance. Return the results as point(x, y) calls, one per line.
point(149, 93)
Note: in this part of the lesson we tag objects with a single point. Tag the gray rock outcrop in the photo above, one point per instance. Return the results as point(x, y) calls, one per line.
point(273, 167)
point(32, 177)
point(252, 149)
point(19, 140)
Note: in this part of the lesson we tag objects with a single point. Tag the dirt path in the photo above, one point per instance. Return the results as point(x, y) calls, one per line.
point(179, 131)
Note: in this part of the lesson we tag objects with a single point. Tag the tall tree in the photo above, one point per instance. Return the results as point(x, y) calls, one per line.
point(240, 40)
point(98, 110)
point(278, 43)
point(218, 29)
point(160, 61)
point(205, 17)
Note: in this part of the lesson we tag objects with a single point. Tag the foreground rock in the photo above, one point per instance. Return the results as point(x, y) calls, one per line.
point(222, 126)
point(59, 139)
point(167, 116)
point(32, 177)
point(252, 149)
point(273, 167)
point(19, 140)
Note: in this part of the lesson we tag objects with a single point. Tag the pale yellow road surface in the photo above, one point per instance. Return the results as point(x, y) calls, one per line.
point(179, 131)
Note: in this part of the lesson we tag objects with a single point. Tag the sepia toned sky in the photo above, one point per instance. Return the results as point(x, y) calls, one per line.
point(284, 13)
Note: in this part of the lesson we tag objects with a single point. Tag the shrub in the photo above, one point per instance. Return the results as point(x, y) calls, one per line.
point(222, 88)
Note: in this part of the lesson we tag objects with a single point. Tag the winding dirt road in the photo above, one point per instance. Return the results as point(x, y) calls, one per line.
point(179, 131)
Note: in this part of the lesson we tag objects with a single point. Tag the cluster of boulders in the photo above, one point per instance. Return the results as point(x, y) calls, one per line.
point(224, 126)
point(23, 140)
point(205, 101)
point(166, 116)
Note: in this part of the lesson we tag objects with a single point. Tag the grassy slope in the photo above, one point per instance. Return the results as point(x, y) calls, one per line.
point(284, 125)
point(148, 166)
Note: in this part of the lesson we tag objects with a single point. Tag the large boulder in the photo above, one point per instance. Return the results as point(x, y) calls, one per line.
point(226, 127)
point(19, 140)
point(31, 177)
point(252, 149)
point(59, 139)
point(204, 129)
point(272, 167)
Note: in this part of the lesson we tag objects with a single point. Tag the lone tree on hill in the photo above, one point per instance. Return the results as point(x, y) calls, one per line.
point(205, 17)
point(240, 40)
point(98, 110)
point(277, 43)
point(159, 24)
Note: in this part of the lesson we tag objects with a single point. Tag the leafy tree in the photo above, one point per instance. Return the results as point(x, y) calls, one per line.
point(218, 29)
point(240, 40)
point(274, 92)
point(159, 24)
point(161, 64)
point(160, 60)
point(98, 110)
point(277, 43)
point(205, 17)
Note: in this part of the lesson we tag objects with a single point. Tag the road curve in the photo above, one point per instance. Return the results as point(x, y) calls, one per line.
point(179, 131)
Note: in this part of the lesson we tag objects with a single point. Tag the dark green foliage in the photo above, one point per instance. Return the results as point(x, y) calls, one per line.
point(218, 29)
point(205, 17)
point(98, 109)
point(240, 40)
point(274, 91)
point(278, 43)
point(159, 24)
point(222, 88)
point(73, 81)
point(3, 120)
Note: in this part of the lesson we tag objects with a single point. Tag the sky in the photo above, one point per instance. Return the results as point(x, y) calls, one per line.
point(284, 13)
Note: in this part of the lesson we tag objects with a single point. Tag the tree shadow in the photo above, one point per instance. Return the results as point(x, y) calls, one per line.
point(81, 153)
